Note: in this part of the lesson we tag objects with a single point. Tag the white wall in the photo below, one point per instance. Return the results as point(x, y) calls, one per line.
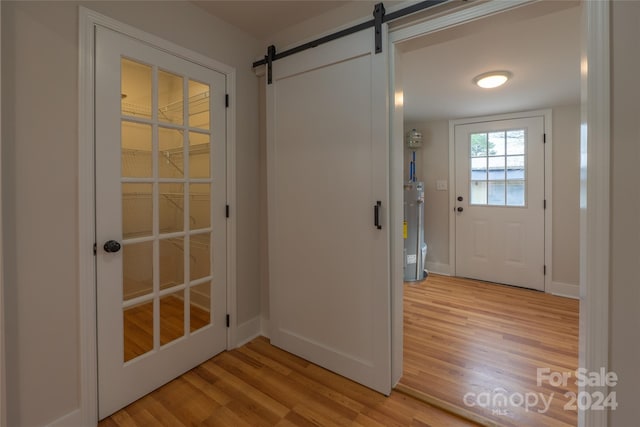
point(39, 154)
point(433, 164)
point(566, 195)
point(264, 223)
point(624, 325)
point(359, 11)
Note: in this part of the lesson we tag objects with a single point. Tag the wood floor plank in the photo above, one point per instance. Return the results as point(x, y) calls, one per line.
point(261, 385)
point(460, 336)
point(464, 336)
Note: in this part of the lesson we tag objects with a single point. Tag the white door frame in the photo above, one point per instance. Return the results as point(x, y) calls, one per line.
point(88, 411)
point(594, 179)
point(548, 196)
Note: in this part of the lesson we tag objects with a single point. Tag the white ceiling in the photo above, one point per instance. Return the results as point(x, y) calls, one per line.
point(264, 18)
point(542, 52)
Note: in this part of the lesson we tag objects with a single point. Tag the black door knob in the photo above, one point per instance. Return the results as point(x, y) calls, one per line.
point(460, 209)
point(111, 246)
point(460, 198)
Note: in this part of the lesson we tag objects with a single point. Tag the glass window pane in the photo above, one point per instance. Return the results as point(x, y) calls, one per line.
point(171, 317)
point(200, 205)
point(135, 89)
point(136, 150)
point(138, 330)
point(200, 256)
point(496, 193)
point(515, 141)
point(137, 210)
point(171, 208)
point(170, 98)
point(479, 169)
point(171, 262)
point(478, 144)
point(200, 310)
point(515, 167)
point(199, 161)
point(137, 270)
point(171, 153)
point(478, 193)
point(496, 168)
point(198, 105)
point(515, 193)
point(496, 143)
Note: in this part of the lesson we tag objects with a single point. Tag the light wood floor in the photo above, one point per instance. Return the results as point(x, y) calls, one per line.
point(460, 336)
point(138, 324)
point(260, 385)
point(465, 336)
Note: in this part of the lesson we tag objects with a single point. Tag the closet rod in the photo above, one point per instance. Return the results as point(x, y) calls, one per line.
point(273, 56)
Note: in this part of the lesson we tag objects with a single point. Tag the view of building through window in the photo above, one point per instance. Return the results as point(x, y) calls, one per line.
point(498, 168)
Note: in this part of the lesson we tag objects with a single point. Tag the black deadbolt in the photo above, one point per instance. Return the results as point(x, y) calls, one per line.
point(460, 198)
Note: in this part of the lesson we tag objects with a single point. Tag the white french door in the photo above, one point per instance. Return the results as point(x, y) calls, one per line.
point(327, 135)
point(499, 193)
point(160, 217)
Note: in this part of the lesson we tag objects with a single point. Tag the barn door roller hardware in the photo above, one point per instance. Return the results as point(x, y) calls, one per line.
point(379, 17)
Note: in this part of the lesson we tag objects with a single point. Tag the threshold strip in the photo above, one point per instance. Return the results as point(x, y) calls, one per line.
point(446, 406)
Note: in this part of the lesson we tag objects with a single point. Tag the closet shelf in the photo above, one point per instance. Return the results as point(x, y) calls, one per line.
point(139, 195)
point(193, 149)
point(198, 104)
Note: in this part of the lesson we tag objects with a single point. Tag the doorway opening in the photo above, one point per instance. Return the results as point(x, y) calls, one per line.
point(450, 355)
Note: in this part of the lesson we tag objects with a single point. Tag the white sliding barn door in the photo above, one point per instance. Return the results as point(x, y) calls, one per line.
point(327, 136)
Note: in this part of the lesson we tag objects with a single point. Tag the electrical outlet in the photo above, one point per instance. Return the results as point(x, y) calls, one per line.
point(441, 185)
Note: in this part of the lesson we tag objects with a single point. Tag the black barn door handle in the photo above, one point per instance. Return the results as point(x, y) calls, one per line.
point(376, 215)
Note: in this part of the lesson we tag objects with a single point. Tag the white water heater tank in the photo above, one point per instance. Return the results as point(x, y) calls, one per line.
point(415, 248)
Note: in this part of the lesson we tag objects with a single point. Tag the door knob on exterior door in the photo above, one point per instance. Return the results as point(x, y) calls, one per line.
point(459, 209)
point(111, 246)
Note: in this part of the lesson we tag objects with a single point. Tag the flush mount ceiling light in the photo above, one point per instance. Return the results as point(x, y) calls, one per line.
point(492, 79)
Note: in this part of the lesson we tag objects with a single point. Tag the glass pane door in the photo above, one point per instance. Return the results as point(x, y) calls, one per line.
point(161, 229)
point(166, 185)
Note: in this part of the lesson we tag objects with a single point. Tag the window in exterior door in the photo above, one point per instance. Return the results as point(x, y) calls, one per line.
point(498, 172)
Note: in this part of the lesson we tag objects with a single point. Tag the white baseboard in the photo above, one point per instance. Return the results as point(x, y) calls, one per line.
point(438, 268)
point(72, 419)
point(564, 290)
point(248, 331)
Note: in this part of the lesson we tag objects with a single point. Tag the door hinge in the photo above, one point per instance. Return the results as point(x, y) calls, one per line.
point(544, 138)
point(544, 270)
point(544, 204)
point(227, 209)
point(228, 320)
point(95, 249)
point(226, 100)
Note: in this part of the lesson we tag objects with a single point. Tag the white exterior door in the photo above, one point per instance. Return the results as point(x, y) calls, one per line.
point(160, 217)
point(499, 193)
point(327, 118)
